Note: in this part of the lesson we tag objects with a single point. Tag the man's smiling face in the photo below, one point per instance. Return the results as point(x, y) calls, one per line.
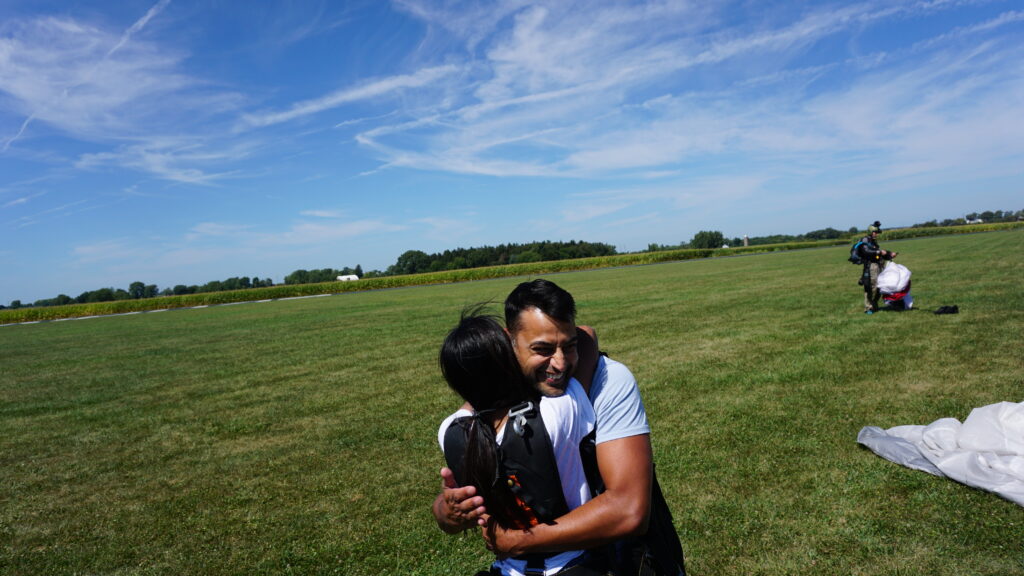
point(546, 350)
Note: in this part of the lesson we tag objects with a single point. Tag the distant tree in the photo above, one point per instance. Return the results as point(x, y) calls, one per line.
point(824, 234)
point(358, 271)
point(136, 290)
point(15, 304)
point(411, 262)
point(707, 239)
point(527, 256)
point(60, 300)
point(852, 230)
point(322, 275)
point(212, 286)
point(297, 277)
point(150, 291)
point(101, 295)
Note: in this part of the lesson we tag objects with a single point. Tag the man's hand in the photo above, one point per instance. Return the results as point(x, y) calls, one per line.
point(504, 543)
point(621, 511)
point(456, 509)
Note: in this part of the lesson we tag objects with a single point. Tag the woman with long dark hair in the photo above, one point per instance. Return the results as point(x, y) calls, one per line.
point(508, 441)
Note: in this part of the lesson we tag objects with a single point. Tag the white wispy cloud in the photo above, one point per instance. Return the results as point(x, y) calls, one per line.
point(205, 230)
point(347, 95)
point(138, 25)
point(113, 250)
point(171, 160)
point(563, 92)
point(583, 211)
point(24, 125)
point(450, 229)
point(61, 210)
point(323, 213)
point(122, 93)
point(302, 232)
point(314, 233)
point(23, 199)
point(470, 21)
point(56, 71)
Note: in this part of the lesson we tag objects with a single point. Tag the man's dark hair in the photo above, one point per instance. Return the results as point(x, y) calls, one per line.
point(542, 294)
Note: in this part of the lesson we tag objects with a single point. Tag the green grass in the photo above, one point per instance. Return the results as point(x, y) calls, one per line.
point(299, 437)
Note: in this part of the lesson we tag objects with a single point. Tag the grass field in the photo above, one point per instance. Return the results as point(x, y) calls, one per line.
point(299, 437)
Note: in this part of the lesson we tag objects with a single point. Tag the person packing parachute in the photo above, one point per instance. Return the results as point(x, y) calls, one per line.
point(874, 259)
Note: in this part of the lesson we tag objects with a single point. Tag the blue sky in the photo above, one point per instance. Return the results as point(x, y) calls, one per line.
point(178, 142)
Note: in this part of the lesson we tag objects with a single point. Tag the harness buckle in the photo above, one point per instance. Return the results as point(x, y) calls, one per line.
point(517, 416)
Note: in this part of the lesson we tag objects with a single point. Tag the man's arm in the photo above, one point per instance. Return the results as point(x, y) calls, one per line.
point(620, 511)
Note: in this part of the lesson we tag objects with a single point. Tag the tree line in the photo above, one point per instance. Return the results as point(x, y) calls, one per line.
point(417, 261)
point(986, 217)
point(138, 290)
point(322, 275)
point(715, 239)
point(410, 262)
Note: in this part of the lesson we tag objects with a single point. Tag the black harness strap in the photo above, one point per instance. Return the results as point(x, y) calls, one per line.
point(526, 456)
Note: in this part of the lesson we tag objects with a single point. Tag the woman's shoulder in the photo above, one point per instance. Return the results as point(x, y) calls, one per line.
point(461, 412)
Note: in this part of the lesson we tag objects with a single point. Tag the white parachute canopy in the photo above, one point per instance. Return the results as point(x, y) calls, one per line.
point(893, 278)
point(986, 451)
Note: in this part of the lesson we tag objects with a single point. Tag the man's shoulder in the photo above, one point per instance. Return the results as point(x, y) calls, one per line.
point(612, 380)
point(613, 369)
point(617, 403)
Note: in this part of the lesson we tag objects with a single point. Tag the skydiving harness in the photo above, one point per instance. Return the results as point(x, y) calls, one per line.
point(525, 458)
point(526, 462)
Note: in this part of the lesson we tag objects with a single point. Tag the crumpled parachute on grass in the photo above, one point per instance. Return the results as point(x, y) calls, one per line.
point(986, 451)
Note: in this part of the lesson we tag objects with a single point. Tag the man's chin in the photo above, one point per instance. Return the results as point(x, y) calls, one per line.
point(553, 388)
